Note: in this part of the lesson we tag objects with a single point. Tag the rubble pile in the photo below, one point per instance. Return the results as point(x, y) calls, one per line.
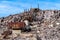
point(44, 24)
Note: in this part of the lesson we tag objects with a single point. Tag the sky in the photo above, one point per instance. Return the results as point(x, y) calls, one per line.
point(10, 7)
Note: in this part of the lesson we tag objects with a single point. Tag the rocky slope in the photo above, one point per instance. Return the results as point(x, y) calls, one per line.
point(46, 24)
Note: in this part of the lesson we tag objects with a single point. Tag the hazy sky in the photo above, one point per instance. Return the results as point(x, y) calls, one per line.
point(8, 7)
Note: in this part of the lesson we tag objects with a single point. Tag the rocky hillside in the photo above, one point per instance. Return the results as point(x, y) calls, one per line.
point(46, 24)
